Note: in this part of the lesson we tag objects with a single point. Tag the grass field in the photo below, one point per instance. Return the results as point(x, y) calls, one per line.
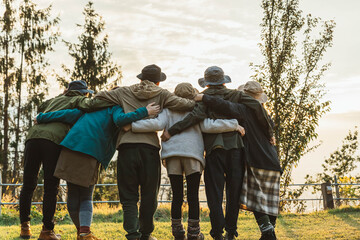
point(334, 224)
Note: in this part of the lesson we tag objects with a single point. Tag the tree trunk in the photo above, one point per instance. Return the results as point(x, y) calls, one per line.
point(19, 86)
point(5, 152)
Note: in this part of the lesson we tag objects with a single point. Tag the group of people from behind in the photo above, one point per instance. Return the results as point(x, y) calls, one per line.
point(74, 135)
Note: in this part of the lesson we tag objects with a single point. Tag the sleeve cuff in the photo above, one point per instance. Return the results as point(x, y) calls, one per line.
point(172, 132)
point(38, 117)
point(146, 113)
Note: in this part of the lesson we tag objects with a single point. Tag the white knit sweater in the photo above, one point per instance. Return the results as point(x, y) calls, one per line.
point(188, 143)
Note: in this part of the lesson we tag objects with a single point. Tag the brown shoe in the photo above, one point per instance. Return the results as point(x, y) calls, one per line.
point(25, 230)
point(88, 236)
point(48, 235)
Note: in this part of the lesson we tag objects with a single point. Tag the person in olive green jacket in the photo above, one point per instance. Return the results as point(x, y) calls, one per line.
point(138, 162)
point(224, 152)
point(42, 147)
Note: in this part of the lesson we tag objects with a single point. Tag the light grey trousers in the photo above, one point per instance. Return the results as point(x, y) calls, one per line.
point(80, 204)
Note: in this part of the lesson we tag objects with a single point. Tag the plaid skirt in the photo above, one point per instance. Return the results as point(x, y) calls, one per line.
point(260, 191)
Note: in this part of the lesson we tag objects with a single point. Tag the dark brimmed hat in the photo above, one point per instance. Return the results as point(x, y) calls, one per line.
point(214, 76)
point(152, 73)
point(80, 86)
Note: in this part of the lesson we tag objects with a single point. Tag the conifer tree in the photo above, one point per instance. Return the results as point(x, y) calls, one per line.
point(28, 34)
point(92, 59)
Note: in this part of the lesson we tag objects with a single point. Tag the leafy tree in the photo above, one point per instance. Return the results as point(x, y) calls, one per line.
point(293, 46)
point(28, 34)
point(341, 163)
point(36, 37)
point(344, 160)
point(91, 55)
point(7, 78)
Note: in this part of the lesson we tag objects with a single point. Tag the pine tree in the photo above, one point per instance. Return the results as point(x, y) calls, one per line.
point(28, 35)
point(34, 41)
point(7, 78)
point(91, 55)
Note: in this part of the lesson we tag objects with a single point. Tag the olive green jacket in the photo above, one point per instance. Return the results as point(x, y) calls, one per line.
point(228, 140)
point(56, 131)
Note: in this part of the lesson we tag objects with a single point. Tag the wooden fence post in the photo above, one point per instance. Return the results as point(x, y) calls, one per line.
point(327, 195)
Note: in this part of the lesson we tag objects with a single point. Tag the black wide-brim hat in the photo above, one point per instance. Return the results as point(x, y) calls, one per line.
point(214, 76)
point(80, 86)
point(152, 73)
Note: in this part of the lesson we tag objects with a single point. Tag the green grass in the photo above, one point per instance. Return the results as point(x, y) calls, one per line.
point(336, 224)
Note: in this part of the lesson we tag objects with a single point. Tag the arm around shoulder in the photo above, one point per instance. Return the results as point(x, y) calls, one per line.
point(194, 117)
point(121, 118)
point(227, 108)
point(92, 104)
point(218, 125)
point(176, 103)
point(151, 125)
point(69, 116)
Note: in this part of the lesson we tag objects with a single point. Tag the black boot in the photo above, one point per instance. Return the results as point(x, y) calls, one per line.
point(219, 237)
point(266, 228)
point(268, 235)
point(178, 230)
point(229, 236)
point(194, 230)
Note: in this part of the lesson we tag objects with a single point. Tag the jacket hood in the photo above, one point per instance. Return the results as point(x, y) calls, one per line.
point(145, 90)
point(216, 90)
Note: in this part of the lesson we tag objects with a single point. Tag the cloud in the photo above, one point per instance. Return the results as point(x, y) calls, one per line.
point(185, 37)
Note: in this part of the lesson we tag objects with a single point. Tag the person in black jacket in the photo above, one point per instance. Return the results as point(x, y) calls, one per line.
point(261, 182)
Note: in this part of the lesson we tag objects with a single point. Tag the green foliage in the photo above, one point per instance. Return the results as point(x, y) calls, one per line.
point(293, 46)
point(341, 163)
point(344, 160)
point(91, 56)
point(28, 33)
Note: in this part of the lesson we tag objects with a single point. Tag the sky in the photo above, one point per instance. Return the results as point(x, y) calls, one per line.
point(185, 37)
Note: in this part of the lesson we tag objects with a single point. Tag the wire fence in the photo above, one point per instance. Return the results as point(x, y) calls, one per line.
point(333, 185)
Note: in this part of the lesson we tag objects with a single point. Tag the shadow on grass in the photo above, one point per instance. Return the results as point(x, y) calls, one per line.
point(10, 217)
point(287, 227)
point(347, 216)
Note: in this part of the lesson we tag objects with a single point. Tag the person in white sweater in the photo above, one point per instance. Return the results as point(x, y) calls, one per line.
point(184, 154)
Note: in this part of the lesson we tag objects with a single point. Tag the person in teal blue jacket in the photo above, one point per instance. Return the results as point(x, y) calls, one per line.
point(90, 142)
point(94, 133)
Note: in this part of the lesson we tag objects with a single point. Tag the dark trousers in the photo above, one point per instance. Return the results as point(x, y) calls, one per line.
point(138, 166)
point(224, 166)
point(37, 152)
point(177, 187)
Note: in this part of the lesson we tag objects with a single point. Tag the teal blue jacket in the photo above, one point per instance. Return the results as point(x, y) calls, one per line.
point(93, 133)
